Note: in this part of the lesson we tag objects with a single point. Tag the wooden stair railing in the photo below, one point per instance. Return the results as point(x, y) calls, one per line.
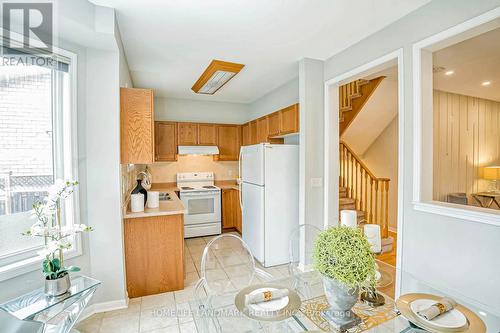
point(352, 97)
point(371, 194)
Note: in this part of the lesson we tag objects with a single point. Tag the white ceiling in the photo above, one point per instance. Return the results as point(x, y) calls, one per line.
point(169, 43)
point(376, 115)
point(474, 61)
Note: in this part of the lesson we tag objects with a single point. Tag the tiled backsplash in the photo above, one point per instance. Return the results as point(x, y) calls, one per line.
point(129, 179)
point(165, 172)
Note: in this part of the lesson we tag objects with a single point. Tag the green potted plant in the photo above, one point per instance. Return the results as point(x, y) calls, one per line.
point(343, 257)
point(57, 237)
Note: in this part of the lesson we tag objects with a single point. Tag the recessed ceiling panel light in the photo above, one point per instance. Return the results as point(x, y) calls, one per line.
point(217, 74)
point(486, 83)
point(449, 72)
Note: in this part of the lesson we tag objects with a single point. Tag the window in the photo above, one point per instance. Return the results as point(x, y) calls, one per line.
point(36, 144)
point(457, 119)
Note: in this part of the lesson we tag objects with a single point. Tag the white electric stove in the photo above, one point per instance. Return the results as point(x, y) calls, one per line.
point(202, 201)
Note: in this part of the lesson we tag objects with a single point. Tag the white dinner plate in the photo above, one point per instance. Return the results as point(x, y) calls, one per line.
point(274, 305)
point(452, 319)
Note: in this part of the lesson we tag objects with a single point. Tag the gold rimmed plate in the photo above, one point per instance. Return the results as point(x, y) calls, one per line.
point(474, 324)
point(282, 313)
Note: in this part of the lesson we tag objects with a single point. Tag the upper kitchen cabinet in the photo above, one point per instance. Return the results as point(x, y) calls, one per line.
point(246, 138)
point(228, 138)
point(273, 123)
point(289, 119)
point(187, 134)
point(165, 141)
point(207, 134)
point(136, 126)
point(253, 132)
point(262, 130)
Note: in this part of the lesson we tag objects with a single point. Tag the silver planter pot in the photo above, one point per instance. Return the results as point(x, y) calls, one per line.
point(58, 286)
point(341, 300)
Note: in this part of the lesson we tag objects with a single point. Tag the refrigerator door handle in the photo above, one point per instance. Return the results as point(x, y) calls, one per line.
point(240, 188)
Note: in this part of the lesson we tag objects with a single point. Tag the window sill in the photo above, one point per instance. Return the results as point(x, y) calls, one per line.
point(471, 213)
point(30, 265)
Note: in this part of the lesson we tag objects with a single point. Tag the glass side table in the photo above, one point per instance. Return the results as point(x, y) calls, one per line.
point(58, 314)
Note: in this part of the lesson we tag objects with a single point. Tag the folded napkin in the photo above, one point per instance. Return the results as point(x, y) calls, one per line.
point(266, 296)
point(445, 304)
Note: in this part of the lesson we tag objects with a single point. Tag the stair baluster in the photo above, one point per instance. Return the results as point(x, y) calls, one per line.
point(370, 194)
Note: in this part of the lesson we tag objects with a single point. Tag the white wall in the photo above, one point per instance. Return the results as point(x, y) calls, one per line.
point(275, 100)
point(382, 159)
point(200, 111)
point(311, 142)
point(458, 254)
point(103, 173)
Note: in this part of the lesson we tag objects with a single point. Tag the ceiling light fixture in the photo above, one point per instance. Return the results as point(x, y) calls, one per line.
point(486, 83)
point(217, 74)
point(449, 73)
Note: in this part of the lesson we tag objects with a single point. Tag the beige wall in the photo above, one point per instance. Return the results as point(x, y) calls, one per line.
point(165, 172)
point(382, 159)
point(466, 138)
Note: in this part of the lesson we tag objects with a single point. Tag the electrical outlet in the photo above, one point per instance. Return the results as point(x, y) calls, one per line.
point(316, 182)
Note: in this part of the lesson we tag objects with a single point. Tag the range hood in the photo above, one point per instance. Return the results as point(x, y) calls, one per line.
point(198, 150)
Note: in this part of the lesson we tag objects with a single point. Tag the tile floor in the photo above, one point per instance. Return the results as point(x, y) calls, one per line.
point(168, 312)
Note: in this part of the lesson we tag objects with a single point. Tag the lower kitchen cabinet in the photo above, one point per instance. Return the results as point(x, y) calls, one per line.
point(154, 254)
point(231, 210)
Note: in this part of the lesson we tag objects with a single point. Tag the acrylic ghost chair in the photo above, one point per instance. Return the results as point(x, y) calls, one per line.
point(227, 264)
point(301, 248)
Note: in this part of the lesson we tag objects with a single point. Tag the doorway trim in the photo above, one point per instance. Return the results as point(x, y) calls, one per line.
point(331, 144)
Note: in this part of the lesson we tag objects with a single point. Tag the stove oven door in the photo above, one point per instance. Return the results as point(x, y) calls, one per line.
point(202, 207)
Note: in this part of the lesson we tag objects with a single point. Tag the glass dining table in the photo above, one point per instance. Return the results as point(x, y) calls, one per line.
point(218, 313)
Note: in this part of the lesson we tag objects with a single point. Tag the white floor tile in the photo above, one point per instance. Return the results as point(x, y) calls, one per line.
point(188, 328)
point(134, 306)
point(191, 279)
point(90, 325)
point(158, 318)
point(157, 301)
point(184, 313)
point(124, 323)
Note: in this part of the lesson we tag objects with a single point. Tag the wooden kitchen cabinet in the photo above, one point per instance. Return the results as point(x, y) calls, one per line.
point(231, 210)
point(273, 123)
point(229, 141)
point(187, 134)
point(289, 119)
point(154, 254)
point(253, 132)
point(136, 126)
point(262, 130)
point(245, 135)
point(165, 141)
point(207, 134)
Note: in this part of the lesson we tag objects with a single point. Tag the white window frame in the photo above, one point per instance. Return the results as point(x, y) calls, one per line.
point(423, 121)
point(27, 261)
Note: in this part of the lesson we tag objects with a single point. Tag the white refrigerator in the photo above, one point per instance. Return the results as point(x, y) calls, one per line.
point(269, 199)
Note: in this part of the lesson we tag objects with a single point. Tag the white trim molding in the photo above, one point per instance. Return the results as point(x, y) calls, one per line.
point(103, 307)
point(422, 100)
point(331, 142)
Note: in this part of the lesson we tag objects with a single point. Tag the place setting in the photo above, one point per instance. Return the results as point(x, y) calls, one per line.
point(267, 302)
point(438, 314)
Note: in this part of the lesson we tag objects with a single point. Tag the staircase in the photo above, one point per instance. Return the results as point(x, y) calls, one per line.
point(352, 97)
point(360, 189)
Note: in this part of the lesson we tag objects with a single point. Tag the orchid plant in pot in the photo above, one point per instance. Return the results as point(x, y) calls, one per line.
point(57, 237)
point(343, 257)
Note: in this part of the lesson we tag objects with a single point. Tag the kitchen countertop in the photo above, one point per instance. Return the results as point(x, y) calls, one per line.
point(172, 207)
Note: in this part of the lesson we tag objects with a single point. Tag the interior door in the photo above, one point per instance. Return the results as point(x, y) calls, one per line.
point(253, 219)
point(252, 164)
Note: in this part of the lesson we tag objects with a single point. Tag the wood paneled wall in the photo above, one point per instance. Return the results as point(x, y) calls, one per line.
point(466, 139)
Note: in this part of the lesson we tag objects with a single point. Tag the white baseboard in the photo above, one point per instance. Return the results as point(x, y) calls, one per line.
point(103, 307)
